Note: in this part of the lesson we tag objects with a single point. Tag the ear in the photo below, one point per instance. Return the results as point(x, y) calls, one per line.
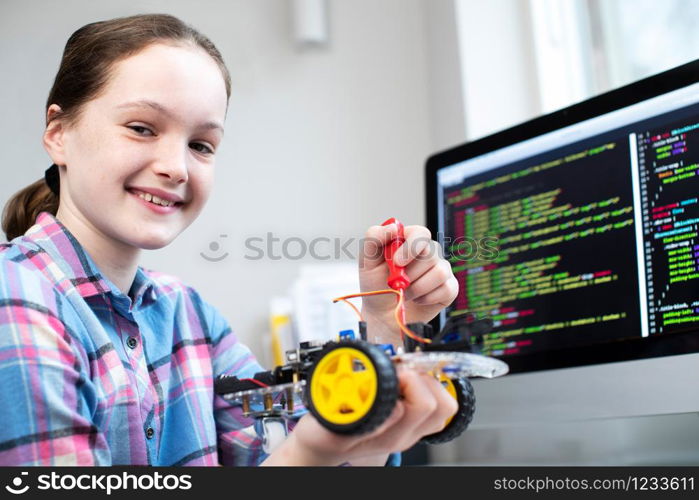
point(53, 135)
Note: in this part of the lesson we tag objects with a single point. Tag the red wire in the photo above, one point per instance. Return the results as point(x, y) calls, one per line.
point(255, 381)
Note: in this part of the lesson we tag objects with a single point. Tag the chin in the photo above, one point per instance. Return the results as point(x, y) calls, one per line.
point(153, 242)
point(156, 245)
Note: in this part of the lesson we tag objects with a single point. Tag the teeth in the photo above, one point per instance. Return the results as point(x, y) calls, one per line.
point(155, 199)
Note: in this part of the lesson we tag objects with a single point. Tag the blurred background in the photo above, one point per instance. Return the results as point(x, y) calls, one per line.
point(336, 105)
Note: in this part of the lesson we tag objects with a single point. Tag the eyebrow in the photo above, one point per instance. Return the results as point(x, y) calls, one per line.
point(146, 103)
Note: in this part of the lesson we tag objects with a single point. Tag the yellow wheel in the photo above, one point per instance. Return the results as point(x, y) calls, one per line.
point(352, 388)
point(461, 390)
point(344, 385)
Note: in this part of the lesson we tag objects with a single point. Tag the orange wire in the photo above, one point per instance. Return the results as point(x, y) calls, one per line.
point(361, 318)
point(404, 330)
point(363, 294)
point(345, 297)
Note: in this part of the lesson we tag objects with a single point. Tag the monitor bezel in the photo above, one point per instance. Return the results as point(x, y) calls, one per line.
point(647, 88)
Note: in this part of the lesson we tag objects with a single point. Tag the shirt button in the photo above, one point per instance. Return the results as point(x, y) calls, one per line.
point(150, 433)
point(132, 342)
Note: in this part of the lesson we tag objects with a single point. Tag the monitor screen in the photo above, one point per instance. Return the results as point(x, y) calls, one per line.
point(578, 232)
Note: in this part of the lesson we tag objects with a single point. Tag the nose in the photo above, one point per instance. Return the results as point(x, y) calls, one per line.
point(172, 162)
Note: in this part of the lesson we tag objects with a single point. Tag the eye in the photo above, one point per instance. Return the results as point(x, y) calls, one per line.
point(141, 130)
point(201, 148)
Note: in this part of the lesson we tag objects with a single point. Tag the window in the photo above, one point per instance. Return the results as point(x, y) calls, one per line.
point(644, 37)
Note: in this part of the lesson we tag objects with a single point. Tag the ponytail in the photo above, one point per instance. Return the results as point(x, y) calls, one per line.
point(21, 211)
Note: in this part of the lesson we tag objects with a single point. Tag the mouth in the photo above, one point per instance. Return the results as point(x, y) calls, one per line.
point(154, 203)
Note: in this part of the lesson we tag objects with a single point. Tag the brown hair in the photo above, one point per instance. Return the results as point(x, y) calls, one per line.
point(89, 55)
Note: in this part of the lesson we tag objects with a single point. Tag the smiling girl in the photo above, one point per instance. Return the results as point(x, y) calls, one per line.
point(104, 362)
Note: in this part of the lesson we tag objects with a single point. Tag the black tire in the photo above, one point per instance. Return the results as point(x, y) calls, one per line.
point(386, 389)
point(466, 399)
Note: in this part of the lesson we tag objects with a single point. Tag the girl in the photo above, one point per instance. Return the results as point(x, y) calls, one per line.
point(104, 362)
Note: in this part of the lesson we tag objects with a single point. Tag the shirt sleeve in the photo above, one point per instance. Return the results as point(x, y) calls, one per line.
point(46, 400)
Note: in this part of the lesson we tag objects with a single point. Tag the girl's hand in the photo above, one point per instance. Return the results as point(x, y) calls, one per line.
point(423, 410)
point(432, 283)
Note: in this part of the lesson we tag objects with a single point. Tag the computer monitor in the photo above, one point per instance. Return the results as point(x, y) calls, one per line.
point(578, 234)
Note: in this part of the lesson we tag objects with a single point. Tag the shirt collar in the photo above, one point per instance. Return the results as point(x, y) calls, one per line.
point(73, 267)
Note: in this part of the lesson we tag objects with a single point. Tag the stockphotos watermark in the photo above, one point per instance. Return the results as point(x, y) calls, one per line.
point(273, 247)
point(107, 483)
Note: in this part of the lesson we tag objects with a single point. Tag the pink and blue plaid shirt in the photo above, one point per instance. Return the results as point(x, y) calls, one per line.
point(90, 376)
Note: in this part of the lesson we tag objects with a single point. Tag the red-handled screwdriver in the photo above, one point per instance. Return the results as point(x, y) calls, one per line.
point(397, 278)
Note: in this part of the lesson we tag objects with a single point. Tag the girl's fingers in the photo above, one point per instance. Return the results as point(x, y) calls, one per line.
point(427, 258)
point(446, 406)
point(444, 295)
point(421, 407)
point(418, 246)
point(417, 240)
point(395, 416)
point(434, 278)
point(375, 239)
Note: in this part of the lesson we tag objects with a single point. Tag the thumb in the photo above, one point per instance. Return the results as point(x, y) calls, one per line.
point(373, 245)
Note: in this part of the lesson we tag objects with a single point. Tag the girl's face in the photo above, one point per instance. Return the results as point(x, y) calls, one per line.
point(154, 128)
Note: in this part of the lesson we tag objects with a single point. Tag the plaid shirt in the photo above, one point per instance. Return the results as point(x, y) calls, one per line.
point(91, 376)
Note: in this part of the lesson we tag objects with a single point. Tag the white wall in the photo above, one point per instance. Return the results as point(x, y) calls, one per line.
point(445, 77)
point(318, 142)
